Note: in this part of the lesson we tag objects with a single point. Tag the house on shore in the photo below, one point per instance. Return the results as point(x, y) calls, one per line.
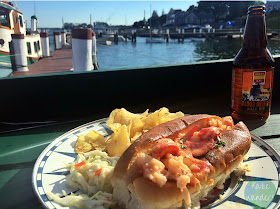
point(179, 17)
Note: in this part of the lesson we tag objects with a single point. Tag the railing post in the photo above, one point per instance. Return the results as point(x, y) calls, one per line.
point(20, 52)
point(82, 49)
point(45, 44)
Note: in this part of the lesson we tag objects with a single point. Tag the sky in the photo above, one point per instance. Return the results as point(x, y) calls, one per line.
point(50, 13)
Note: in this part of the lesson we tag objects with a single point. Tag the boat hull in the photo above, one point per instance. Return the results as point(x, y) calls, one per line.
point(6, 61)
point(155, 41)
point(35, 52)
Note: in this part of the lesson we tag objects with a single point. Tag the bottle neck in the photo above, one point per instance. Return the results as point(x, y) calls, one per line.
point(255, 32)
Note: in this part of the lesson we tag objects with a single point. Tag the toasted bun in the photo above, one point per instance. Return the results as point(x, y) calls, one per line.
point(129, 184)
point(238, 141)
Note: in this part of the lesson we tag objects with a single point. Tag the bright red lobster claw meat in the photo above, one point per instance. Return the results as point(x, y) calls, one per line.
point(165, 146)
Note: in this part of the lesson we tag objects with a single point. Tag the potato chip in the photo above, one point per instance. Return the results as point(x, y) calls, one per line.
point(81, 145)
point(160, 116)
point(138, 134)
point(96, 139)
point(134, 122)
point(127, 127)
point(124, 117)
point(89, 142)
point(119, 141)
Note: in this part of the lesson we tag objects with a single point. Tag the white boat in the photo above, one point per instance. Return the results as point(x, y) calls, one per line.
point(107, 38)
point(197, 39)
point(154, 41)
point(108, 42)
point(12, 22)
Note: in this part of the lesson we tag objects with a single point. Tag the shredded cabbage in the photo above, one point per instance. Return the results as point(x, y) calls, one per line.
point(91, 173)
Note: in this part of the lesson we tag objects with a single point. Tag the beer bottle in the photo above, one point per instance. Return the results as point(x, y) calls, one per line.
point(252, 73)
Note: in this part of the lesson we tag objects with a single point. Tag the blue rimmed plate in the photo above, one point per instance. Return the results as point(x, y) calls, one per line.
point(259, 188)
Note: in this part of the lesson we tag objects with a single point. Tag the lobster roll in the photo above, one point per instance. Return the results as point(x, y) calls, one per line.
point(176, 164)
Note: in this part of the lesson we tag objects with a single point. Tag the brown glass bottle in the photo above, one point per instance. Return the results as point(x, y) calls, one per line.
point(252, 73)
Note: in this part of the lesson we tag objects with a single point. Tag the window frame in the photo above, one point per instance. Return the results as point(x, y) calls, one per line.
point(29, 51)
point(20, 21)
point(4, 11)
point(35, 46)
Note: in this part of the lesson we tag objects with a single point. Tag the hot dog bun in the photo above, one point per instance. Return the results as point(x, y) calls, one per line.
point(135, 187)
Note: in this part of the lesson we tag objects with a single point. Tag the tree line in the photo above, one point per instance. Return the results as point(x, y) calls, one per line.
point(222, 11)
point(77, 25)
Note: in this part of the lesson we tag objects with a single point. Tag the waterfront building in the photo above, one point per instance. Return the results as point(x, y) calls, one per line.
point(179, 17)
point(100, 27)
point(171, 16)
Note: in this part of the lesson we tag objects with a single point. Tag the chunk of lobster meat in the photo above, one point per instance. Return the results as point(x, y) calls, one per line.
point(197, 165)
point(201, 142)
point(165, 146)
point(209, 133)
point(153, 169)
point(227, 121)
point(199, 147)
point(191, 132)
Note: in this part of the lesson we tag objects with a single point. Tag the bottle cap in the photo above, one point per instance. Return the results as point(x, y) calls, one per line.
point(254, 9)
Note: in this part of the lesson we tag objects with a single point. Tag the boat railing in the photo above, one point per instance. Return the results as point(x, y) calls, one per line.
point(80, 94)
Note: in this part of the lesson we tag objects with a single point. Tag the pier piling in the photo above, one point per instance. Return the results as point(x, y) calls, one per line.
point(57, 40)
point(82, 49)
point(94, 57)
point(63, 38)
point(133, 37)
point(45, 44)
point(167, 35)
point(20, 53)
point(116, 37)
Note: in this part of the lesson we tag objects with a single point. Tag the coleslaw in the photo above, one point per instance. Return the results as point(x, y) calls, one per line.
point(91, 175)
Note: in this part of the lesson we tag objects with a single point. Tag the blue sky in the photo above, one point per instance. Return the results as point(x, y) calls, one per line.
point(50, 13)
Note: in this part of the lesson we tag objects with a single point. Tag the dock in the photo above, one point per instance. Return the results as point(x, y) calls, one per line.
point(59, 61)
point(204, 34)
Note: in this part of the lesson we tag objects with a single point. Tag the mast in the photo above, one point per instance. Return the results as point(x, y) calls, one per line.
point(90, 20)
point(150, 21)
point(34, 9)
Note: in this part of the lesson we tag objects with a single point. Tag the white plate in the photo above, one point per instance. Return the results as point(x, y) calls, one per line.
point(260, 188)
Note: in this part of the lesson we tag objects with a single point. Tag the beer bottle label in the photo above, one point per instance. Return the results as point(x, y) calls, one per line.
point(256, 91)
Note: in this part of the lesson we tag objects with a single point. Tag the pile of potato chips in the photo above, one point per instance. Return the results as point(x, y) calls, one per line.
point(127, 127)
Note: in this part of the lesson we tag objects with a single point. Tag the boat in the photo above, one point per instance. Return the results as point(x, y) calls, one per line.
point(108, 42)
point(107, 39)
point(12, 22)
point(197, 39)
point(154, 41)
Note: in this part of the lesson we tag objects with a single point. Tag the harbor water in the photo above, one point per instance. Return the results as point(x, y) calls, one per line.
point(128, 55)
point(141, 54)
